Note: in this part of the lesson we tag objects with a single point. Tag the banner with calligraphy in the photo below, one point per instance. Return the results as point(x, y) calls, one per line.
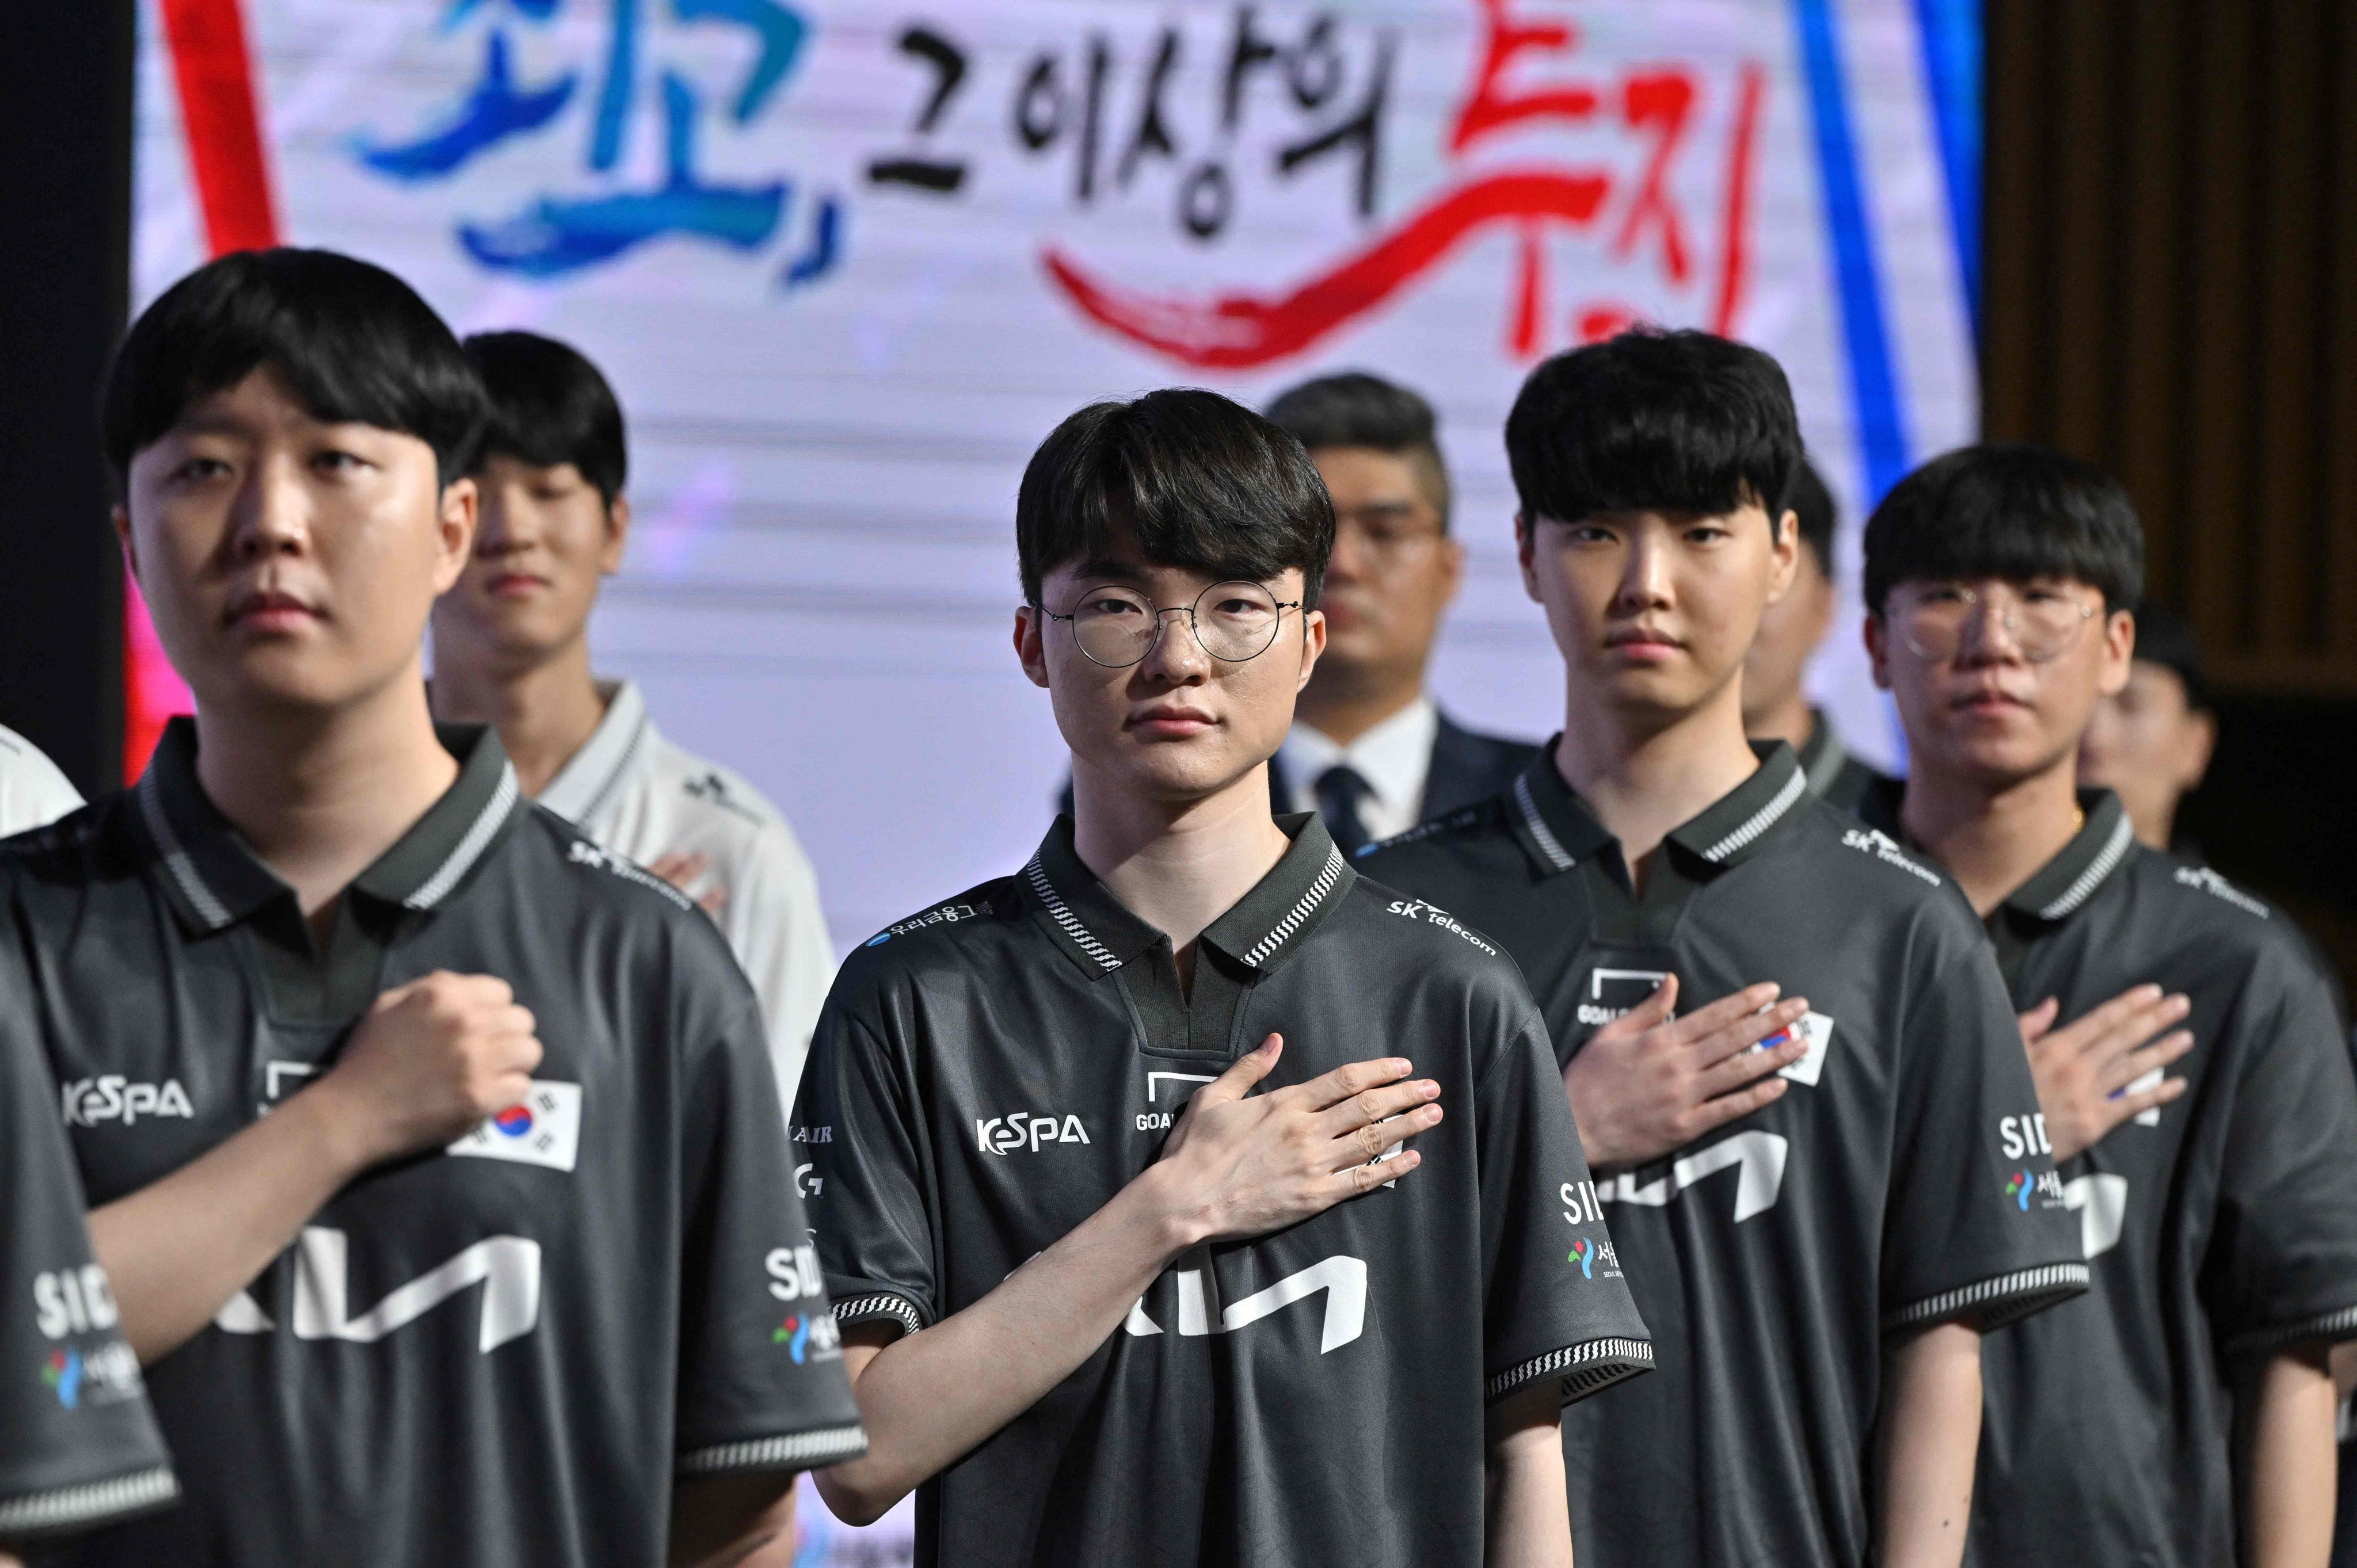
point(847, 262)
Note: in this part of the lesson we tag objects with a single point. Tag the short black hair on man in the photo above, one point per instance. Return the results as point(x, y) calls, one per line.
point(351, 341)
point(1356, 409)
point(2163, 638)
point(1809, 500)
point(1654, 421)
point(2008, 511)
point(1191, 477)
point(550, 406)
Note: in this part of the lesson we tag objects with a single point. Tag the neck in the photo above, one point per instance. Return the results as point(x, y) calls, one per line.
point(1641, 781)
point(1790, 719)
point(545, 712)
point(320, 796)
point(1992, 837)
point(1344, 709)
point(1178, 867)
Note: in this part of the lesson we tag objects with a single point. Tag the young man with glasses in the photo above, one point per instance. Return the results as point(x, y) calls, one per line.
point(2181, 1413)
point(436, 1159)
point(1817, 1256)
point(1112, 1168)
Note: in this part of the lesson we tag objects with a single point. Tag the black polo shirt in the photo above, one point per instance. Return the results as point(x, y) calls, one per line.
point(1774, 1257)
point(499, 1354)
point(78, 1445)
point(2221, 1225)
point(991, 1072)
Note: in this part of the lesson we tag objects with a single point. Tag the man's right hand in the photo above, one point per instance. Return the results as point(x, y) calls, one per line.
point(2097, 1071)
point(1244, 1165)
point(1647, 1083)
point(432, 1058)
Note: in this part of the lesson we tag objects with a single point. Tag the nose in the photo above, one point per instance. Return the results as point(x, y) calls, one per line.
point(501, 528)
point(272, 515)
point(1347, 563)
point(1986, 634)
point(1645, 576)
point(1177, 657)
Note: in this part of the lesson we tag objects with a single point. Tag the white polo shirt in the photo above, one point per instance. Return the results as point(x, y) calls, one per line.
point(33, 793)
point(644, 798)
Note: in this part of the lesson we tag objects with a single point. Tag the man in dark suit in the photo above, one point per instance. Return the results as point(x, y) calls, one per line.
point(1369, 750)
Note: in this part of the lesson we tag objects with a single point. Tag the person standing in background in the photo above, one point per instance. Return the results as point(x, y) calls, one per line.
point(1791, 632)
point(32, 791)
point(511, 648)
point(2150, 741)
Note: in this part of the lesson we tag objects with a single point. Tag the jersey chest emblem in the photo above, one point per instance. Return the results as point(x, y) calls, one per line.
point(2101, 1202)
point(1342, 1281)
point(543, 1129)
point(507, 1267)
point(1757, 1157)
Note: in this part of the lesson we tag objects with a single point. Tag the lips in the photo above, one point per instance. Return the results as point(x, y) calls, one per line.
point(1642, 642)
point(514, 585)
point(271, 609)
point(1172, 723)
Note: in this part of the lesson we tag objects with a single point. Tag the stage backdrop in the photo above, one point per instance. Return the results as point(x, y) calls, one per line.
point(847, 262)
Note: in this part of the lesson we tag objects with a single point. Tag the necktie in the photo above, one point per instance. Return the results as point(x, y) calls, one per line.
point(1340, 790)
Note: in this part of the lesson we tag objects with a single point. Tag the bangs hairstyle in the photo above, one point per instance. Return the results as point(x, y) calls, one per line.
point(351, 341)
point(1355, 409)
point(1812, 504)
point(550, 406)
point(2016, 513)
point(1188, 479)
point(1654, 421)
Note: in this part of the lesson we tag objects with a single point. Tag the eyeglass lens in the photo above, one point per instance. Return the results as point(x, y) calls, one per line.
point(1233, 622)
point(2042, 622)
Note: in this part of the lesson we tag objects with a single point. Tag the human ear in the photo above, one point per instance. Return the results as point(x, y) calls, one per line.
point(455, 532)
point(2200, 741)
point(1313, 645)
point(120, 517)
point(618, 534)
point(1877, 650)
point(1030, 647)
point(2118, 654)
point(1525, 542)
point(1783, 555)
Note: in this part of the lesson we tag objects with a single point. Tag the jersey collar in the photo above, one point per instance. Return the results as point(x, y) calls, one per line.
point(1557, 831)
point(213, 880)
point(591, 775)
point(2104, 842)
point(1824, 755)
point(1266, 925)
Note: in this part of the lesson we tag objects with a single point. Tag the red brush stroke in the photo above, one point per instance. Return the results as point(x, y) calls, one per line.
point(1492, 105)
point(1239, 331)
point(1662, 102)
point(1735, 265)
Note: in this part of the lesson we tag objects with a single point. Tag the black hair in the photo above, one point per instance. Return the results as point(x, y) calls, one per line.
point(2163, 638)
point(1813, 505)
point(549, 406)
point(1654, 421)
point(2008, 512)
point(1355, 409)
point(1191, 477)
point(351, 341)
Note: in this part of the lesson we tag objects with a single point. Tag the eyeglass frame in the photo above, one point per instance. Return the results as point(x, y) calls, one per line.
point(2007, 618)
point(1193, 628)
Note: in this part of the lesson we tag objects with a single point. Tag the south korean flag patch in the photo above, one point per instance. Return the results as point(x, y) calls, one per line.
point(1816, 1031)
point(544, 1128)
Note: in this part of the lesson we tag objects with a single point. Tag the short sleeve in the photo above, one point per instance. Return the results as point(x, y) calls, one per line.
point(2282, 1260)
point(864, 1141)
point(78, 1443)
point(1557, 1303)
point(778, 933)
point(1975, 1229)
point(762, 1383)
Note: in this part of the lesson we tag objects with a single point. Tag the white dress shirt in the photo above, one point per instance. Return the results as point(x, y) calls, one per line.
point(33, 793)
point(644, 798)
point(1394, 759)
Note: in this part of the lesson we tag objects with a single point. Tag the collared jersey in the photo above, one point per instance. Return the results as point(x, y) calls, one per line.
point(644, 798)
point(1774, 1257)
point(77, 1445)
point(33, 793)
point(2219, 1226)
point(497, 1354)
point(992, 1072)
point(1835, 775)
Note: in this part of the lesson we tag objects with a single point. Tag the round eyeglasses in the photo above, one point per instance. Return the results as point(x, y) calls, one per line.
point(2042, 622)
point(1232, 622)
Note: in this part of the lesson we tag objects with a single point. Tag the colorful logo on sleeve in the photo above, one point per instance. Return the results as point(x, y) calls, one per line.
point(108, 1375)
point(808, 1336)
point(2021, 1185)
point(63, 1373)
point(1583, 1253)
point(2017, 1187)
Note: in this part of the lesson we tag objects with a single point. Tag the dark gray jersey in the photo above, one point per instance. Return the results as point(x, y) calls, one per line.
point(1775, 1257)
point(2223, 1225)
point(78, 1445)
point(991, 1072)
point(501, 1353)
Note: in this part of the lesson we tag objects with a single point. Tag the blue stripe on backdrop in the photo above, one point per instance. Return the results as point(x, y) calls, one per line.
point(1874, 390)
point(1951, 31)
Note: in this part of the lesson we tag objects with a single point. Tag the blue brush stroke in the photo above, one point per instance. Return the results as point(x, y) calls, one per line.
point(614, 97)
point(826, 248)
point(1951, 31)
point(491, 115)
point(536, 10)
point(1874, 390)
point(781, 33)
point(557, 237)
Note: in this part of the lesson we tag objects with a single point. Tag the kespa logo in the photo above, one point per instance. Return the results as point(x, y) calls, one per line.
point(1880, 845)
point(809, 1336)
point(2023, 1135)
point(73, 1301)
point(2021, 1185)
point(2217, 886)
point(946, 914)
point(90, 1101)
point(1589, 1251)
point(1757, 1157)
point(1342, 1281)
point(1171, 1090)
point(109, 1374)
point(542, 1129)
point(507, 1267)
point(1613, 991)
point(1417, 909)
point(1011, 1134)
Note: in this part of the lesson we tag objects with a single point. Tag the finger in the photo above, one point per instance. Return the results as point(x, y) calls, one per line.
point(2038, 1020)
point(510, 1020)
point(1372, 1105)
point(1717, 1112)
point(1727, 1009)
point(2152, 1059)
point(1247, 1071)
point(1744, 1066)
point(1352, 1079)
point(1748, 1031)
point(2127, 1031)
point(1647, 1014)
point(475, 991)
point(711, 902)
point(1365, 1178)
point(2131, 1105)
point(2099, 1021)
point(1372, 1143)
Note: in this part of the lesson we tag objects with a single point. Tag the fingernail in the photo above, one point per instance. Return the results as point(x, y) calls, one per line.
point(1428, 1088)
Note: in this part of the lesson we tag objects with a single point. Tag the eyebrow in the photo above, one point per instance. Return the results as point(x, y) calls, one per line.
point(1105, 566)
